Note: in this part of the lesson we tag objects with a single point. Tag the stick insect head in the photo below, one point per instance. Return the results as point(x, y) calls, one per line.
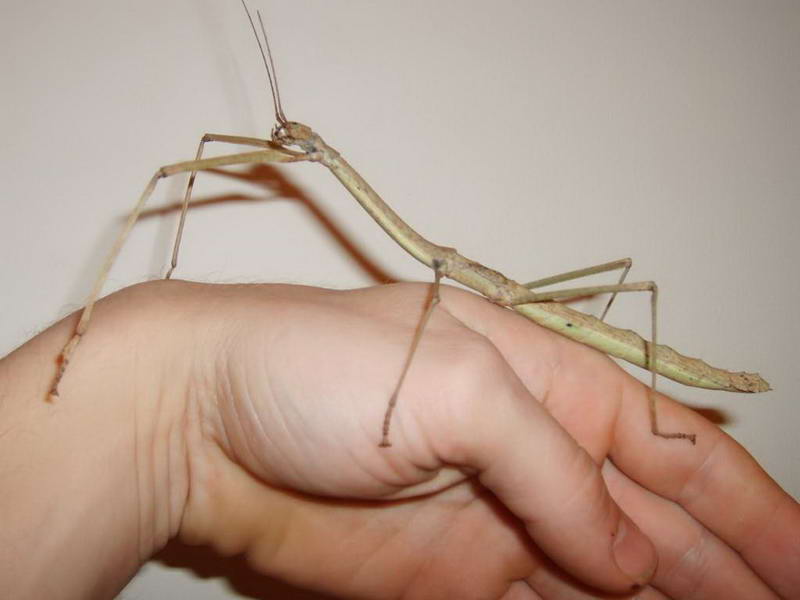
point(285, 132)
point(292, 133)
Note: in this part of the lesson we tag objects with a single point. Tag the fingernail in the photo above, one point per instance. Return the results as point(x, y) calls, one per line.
point(633, 552)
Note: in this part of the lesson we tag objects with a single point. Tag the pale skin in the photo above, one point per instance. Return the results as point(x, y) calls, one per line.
point(518, 455)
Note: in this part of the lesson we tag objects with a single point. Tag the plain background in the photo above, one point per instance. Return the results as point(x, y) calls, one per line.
point(536, 137)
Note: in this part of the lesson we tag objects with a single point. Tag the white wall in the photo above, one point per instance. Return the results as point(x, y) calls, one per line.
point(536, 137)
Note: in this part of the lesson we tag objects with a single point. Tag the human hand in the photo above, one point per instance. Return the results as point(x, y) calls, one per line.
point(504, 442)
point(248, 418)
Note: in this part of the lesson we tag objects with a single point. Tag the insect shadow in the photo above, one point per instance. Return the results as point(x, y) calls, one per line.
point(279, 187)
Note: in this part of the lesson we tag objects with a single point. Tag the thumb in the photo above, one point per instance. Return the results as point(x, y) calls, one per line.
point(552, 485)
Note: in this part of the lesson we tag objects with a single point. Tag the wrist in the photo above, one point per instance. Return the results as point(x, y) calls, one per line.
point(94, 483)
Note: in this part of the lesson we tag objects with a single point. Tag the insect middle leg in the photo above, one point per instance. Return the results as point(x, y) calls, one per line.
point(433, 300)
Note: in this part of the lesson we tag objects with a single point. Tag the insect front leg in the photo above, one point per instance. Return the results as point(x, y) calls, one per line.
point(208, 137)
point(270, 154)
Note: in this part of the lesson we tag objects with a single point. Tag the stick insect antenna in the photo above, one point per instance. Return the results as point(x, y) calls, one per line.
point(268, 65)
point(272, 67)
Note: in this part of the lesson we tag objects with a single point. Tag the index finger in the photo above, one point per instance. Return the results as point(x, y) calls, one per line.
point(718, 483)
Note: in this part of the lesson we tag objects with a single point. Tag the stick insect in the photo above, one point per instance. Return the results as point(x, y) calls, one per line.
point(291, 141)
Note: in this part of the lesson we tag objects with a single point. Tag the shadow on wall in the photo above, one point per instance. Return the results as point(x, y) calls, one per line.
point(278, 187)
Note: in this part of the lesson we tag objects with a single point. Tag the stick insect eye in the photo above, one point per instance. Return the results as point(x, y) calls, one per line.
point(278, 132)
